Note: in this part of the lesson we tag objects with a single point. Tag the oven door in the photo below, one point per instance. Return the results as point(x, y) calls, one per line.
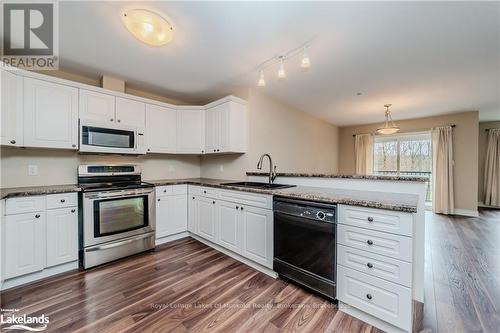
point(112, 215)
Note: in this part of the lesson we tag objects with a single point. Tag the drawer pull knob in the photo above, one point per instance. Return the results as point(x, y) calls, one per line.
point(37, 216)
point(111, 119)
point(370, 219)
point(237, 207)
point(73, 210)
point(241, 207)
point(164, 191)
point(193, 198)
point(213, 202)
point(205, 192)
point(62, 200)
point(13, 142)
point(158, 199)
point(369, 296)
point(370, 265)
point(369, 242)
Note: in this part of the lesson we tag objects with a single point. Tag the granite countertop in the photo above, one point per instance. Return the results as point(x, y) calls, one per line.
point(37, 190)
point(328, 175)
point(383, 200)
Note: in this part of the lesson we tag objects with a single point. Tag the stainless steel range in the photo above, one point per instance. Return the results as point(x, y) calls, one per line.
point(118, 213)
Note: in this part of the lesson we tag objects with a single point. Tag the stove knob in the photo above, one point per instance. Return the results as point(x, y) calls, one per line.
point(320, 215)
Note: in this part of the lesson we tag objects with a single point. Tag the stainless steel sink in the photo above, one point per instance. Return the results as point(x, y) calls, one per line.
point(259, 185)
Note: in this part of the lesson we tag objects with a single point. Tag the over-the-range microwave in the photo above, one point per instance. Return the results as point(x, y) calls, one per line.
point(97, 137)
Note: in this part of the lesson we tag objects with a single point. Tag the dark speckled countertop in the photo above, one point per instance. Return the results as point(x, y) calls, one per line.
point(327, 175)
point(383, 200)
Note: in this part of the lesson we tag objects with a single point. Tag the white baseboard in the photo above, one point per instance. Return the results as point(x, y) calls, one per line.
point(236, 256)
point(367, 318)
point(171, 238)
point(17, 281)
point(466, 212)
point(481, 204)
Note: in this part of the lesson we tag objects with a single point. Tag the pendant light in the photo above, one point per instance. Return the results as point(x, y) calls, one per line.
point(281, 70)
point(389, 126)
point(262, 81)
point(306, 62)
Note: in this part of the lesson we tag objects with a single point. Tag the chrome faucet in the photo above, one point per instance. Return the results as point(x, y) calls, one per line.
point(272, 171)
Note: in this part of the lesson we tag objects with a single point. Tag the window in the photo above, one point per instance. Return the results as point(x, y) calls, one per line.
point(407, 154)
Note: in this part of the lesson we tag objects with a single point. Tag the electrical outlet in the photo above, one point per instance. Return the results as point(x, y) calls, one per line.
point(221, 168)
point(32, 170)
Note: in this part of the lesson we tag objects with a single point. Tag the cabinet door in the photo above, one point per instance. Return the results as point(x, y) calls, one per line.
point(179, 213)
point(11, 109)
point(192, 214)
point(62, 236)
point(229, 233)
point(191, 131)
point(51, 115)
point(224, 127)
point(162, 216)
point(24, 244)
point(130, 112)
point(257, 224)
point(96, 106)
point(161, 125)
point(207, 219)
point(212, 130)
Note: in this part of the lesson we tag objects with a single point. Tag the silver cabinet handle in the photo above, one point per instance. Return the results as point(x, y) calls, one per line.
point(110, 246)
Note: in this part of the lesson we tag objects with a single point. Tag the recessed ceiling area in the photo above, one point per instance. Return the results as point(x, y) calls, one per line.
point(425, 58)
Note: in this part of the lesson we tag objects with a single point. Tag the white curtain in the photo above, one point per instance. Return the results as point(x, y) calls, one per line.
point(492, 169)
point(443, 200)
point(363, 149)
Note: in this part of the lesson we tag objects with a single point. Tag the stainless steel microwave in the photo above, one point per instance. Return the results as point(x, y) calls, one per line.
point(97, 137)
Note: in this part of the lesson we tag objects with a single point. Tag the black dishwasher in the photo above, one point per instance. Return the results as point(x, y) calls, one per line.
point(305, 243)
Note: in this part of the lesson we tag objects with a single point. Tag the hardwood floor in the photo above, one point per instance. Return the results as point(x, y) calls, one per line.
point(186, 286)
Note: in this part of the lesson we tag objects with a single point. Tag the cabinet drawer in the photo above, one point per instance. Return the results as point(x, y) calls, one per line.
point(376, 219)
point(61, 200)
point(385, 300)
point(204, 191)
point(394, 246)
point(390, 269)
point(246, 198)
point(163, 190)
point(24, 205)
point(179, 189)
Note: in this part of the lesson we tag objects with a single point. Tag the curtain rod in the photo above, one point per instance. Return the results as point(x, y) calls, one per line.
point(419, 130)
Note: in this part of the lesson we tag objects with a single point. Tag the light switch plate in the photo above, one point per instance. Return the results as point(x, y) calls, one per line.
point(32, 170)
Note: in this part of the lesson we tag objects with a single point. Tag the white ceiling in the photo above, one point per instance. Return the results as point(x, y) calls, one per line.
point(425, 58)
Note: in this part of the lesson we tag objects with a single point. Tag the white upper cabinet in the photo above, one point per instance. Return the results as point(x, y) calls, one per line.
point(50, 115)
point(190, 131)
point(226, 127)
point(130, 112)
point(11, 104)
point(97, 106)
point(161, 127)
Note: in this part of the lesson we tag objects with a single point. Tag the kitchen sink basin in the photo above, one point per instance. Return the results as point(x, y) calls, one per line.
point(259, 185)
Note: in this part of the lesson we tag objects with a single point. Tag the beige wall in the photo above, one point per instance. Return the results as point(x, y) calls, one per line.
point(296, 141)
point(466, 150)
point(128, 89)
point(483, 141)
point(60, 166)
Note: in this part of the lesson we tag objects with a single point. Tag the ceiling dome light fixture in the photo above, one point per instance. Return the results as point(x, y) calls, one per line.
point(262, 81)
point(148, 26)
point(389, 126)
point(281, 70)
point(306, 62)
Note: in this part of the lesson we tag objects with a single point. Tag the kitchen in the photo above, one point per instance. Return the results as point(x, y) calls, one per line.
point(226, 212)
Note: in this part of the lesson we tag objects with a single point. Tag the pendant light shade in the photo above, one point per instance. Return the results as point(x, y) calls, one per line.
point(262, 81)
point(389, 126)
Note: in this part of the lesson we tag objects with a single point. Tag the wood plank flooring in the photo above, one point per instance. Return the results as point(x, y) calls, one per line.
point(186, 286)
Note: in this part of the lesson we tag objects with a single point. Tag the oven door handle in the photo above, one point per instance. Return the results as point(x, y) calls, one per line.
point(120, 195)
point(110, 246)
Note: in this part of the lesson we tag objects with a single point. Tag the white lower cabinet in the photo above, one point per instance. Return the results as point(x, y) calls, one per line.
point(243, 229)
point(207, 218)
point(24, 244)
point(257, 225)
point(171, 210)
point(62, 236)
point(37, 239)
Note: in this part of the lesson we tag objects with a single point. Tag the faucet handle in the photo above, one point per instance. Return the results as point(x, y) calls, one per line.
point(273, 176)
